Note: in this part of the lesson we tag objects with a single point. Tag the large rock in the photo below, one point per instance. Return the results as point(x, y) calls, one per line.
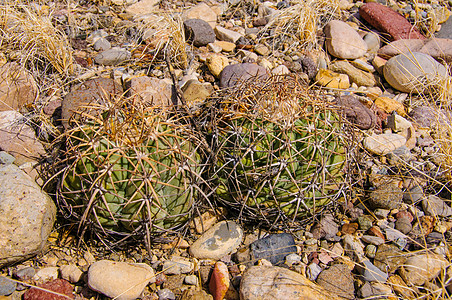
point(435, 206)
point(17, 87)
point(356, 112)
point(343, 41)
point(201, 11)
point(19, 139)
point(153, 91)
point(26, 218)
point(199, 32)
point(266, 283)
point(389, 21)
point(120, 280)
point(439, 49)
point(238, 73)
point(93, 91)
point(338, 279)
point(361, 78)
point(383, 144)
point(413, 72)
point(421, 268)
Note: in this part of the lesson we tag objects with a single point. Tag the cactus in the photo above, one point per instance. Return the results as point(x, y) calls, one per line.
point(130, 170)
point(279, 153)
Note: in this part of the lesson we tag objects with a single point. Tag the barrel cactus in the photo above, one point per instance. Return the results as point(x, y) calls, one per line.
point(130, 171)
point(280, 153)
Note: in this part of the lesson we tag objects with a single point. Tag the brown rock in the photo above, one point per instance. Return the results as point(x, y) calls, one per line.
point(388, 258)
point(356, 112)
point(234, 74)
point(375, 231)
point(338, 279)
point(349, 228)
point(389, 21)
point(439, 49)
point(400, 287)
point(401, 46)
point(360, 77)
point(59, 286)
point(153, 91)
point(388, 105)
point(17, 87)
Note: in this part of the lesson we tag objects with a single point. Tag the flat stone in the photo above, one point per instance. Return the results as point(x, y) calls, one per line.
point(225, 46)
point(143, 7)
point(177, 265)
point(216, 63)
point(333, 80)
point(195, 92)
point(7, 286)
point(388, 21)
point(439, 49)
point(17, 87)
point(201, 11)
point(435, 206)
point(153, 91)
point(46, 274)
point(19, 139)
point(325, 228)
point(389, 258)
point(338, 279)
point(268, 282)
point(383, 144)
point(412, 72)
point(371, 273)
point(356, 112)
point(401, 46)
point(273, 248)
point(386, 197)
point(198, 32)
point(120, 280)
point(238, 73)
point(27, 216)
point(59, 286)
point(422, 268)
point(389, 105)
point(343, 41)
point(220, 240)
point(227, 35)
point(112, 57)
point(360, 77)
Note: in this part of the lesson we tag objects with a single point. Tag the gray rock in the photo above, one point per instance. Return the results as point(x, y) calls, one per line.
point(374, 240)
point(373, 42)
point(273, 248)
point(119, 278)
point(6, 158)
point(166, 294)
point(112, 57)
point(403, 225)
point(371, 273)
point(221, 239)
point(268, 282)
point(413, 195)
point(327, 227)
point(375, 290)
point(102, 44)
point(412, 72)
point(292, 259)
point(446, 30)
point(7, 286)
point(435, 206)
point(383, 144)
point(177, 265)
point(199, 32)
point(364, 222)
point(237, 73)
point(25, 274)
point(46, 274)
point(313, 270)
point(191, 280)
point(343, 41)
point(386, 197)
point(338, 279)
point(27, 216)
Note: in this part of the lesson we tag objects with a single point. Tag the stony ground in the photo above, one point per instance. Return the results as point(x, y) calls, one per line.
point(390, 239)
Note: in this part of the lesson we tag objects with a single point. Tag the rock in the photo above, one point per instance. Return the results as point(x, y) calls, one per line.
point(370, 272)
point(373, 42)
point(292, 259)
point(421, 268)
point(308, 66)
point(153, 91)
point(446, 30)
point(389, 105)
point(238, 73)
point(375, 231)
point(59, 286)
point(363, 65)
point(374, 240)
point(396, 236)
point(195, 92)
point(201, 11)
point(6, 158)
point(7, 286)
point(386, 197)
point(400, 287)
point(401, 46)
point(375, 290)
point(439, 49)
point(412, 72)
point(227, 35)
point(25, 273)
point(112, 57)
point(356, 112)
point(383, 144)
point(19, 139)
point(220, 240)
point(216, 63)
point(389, 258)
point(177, 265)
point(398, 123)
point(370, 251)
point(365, 222)
point(349, 228)
point(355, 75)
point(225, 46)
point(143, 7)
point(338, 280)
point(435, 206)
point(17, 87)
point(199, 32)
point(388, 21)
point(353, 247)
point(119, 279)
point(214, 47)
point(332, 79)
point(343, 41)
point(191, 280)
point(102, 44)
point(219, 284)
point(429, 117)
point(71, 273)
point(312, 271)
point(327, 227)
point(265, 282)
point(262, 49)
point(195, 294)
point(273, 248)
point(280, 70)
point(94, 91)
point(403, 225)
point(27, 216)
point(247, 56)
point(46, 274)
point(166, 294)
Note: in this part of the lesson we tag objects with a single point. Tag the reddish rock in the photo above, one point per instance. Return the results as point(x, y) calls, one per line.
point(405, 215)
point(375, 231)
point(389, 21)
point(59, 286)
point(349, 228)
point(219, 285)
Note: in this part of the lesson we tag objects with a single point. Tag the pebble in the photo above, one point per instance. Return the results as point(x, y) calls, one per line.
point(7, 286)
point(383, 144)
point(46, 274)
point(222, 239)
point(227, 35)
point(274, 248)
point(219, 283)
point(119, 279)
point(400, 287)
point(191, 280)
point(412, 72)
point(226, 46)
point(166, 294)
point(373, 290)
point(292, 259)
point(112, 57)
point(326, 228)
point(356, 112)
point(102, 44)
point(343, 41)
point(435, 206)
point(374, 240)
point(280, 70)
point(71, 273)
point(177, 265)
point(237, 73)
point(201, 11)
point(216, 63)
point(338, 279)
point(386, 197)
point(313, 270)
point(198, 32)
point(269, 282)
point(373, 42)
point(60, 286)
point(389, 105)
point(370, 251)
point(364, 223)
